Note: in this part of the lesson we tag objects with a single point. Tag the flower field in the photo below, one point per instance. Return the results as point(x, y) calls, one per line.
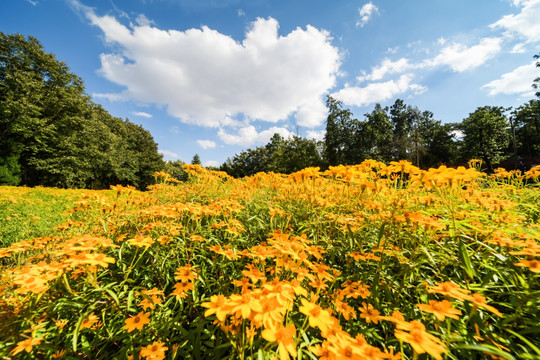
point(371, 261)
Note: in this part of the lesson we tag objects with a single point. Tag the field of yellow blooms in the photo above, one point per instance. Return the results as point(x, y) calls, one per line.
point(371, 261)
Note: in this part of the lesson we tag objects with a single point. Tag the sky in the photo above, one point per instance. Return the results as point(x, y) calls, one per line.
point(215, 77)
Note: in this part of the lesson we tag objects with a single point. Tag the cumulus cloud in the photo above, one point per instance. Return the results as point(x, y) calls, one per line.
point(458, 57)
point(206, 78)
point(366, 13)
point(518, 81)
point(376, 92)
point(168, 154)
point(387, 67)
point(518, 49)
point(141, 113)
point(206, 144)
point(525, 24)
point(248, 135)
point(462, 58)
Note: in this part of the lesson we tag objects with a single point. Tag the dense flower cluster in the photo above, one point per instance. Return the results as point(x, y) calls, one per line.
point(370, 261)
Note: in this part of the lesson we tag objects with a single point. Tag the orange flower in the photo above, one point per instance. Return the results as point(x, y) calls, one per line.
point(480, 301)
point(421, 341)
point(156, 351)
point(185, 273)
point(284, 337)
point(91, 322)
point(440, 309)
point(317, 316)
point(216, 305)
point(533, 265)
point(136, 322)
point(181, 289)
point(450, 289)
point(369, 313)
point(26, 345)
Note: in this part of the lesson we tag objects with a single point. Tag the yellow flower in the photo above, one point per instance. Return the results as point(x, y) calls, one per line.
point(316, 315)
point(185, 273)
point(533, 265)
point(369, 313)
point(181, 289)
point(216, 305)
point(156, 351)
point(420, 340)
point(136, 322)
point(26, 345)
point(440, 309)
point(283, 336)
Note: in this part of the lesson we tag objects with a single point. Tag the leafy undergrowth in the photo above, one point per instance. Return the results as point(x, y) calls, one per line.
point(361, 262)
point(27, 213)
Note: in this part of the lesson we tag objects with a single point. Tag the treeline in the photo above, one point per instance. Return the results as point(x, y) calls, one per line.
point(494, 134)
point(52, 134)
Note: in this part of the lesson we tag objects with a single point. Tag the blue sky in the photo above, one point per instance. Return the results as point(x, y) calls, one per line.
point(214, 77)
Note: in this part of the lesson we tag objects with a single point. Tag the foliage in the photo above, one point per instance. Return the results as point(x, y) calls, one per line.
point(486, 135)
point(279, 155)
point(52, 134)
point(368, 261)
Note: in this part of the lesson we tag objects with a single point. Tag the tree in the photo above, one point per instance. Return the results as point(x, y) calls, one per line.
point(52, 134)
point(486, 135)
point(196, 160)
point(526, 120)
point(377, 132)
point(340, 140)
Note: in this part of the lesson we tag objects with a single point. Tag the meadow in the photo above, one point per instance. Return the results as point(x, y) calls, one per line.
point(371, 261)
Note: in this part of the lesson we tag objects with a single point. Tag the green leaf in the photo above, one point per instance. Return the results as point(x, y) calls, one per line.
point(487, 349)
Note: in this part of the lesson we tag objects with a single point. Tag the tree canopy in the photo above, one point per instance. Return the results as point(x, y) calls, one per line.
point(52, 134)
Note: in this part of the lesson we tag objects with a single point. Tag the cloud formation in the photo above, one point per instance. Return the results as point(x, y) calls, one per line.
point(518, 81)
point(248, 135)
point(366, 13)
point(206, 78)
point(141, 113)
point(206, 144)
point(526, 24)
point(377, 92)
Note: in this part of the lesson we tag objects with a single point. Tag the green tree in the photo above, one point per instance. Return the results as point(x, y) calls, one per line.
point(175, 169)
point(526, 120)
point(196, 160)
point(52, 134)
point(340, 140)
point(378, 133)
point(485, 135)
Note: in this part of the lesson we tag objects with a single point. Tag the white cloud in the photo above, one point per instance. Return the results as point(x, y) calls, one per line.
point(240, 12)
point(206, 78)
point(206, 144)
point(366, 12)
point(518, 49)
point(461, 58)
point(212, 163)
point(317, 135)
point(526, 23)
point(142, 20)
point(248, 135)
point(141, 113)
point(518, 81)
point(387, 67)
point(168, 154)
point(376, 92)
